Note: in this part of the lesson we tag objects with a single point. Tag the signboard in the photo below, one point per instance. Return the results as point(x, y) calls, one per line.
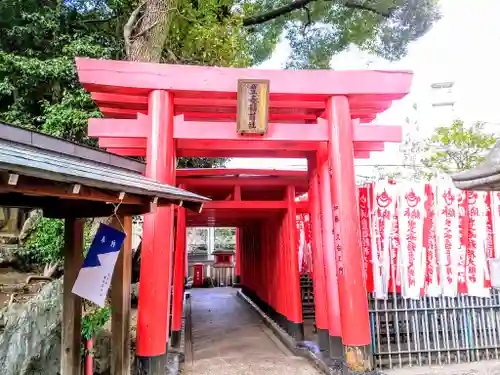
point(253, 106)
point(94, 278)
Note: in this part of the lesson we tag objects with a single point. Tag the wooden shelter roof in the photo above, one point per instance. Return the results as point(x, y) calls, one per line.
point(485, 177)
point(67, 185)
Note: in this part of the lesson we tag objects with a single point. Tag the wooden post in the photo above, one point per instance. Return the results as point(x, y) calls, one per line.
point(178, 298)
point(355, 318)
point(71, 357)
point(157, 243)
point(319, 280)
point(120, 302)
point(294, 310)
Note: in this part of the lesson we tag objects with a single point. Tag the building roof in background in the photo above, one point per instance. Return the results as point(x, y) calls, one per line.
point(485, 177)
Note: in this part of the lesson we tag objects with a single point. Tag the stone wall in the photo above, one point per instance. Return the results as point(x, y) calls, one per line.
point(30, 336)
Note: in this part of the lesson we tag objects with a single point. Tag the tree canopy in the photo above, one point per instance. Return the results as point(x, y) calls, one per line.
point(458, 147)
point(40, 39)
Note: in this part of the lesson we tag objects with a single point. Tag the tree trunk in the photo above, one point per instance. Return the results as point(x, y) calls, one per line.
point(147, 37)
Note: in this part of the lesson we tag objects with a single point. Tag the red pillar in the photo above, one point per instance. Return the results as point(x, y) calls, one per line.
point(157, 245)
point(328, 240)
point(320, 303)
point(237, 270)
point(353, 297)
point(293, 278)
point(179, 274)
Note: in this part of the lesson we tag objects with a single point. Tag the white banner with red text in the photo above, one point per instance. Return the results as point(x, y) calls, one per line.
point(421, 239)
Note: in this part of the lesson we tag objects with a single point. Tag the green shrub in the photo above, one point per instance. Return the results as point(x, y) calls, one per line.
point(94, 321)
point(45, 243)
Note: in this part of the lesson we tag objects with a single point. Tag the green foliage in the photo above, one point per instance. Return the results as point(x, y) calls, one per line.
point(321, 29)
point(457, 147)
point(45, 244)
point(225, 238)
point(40, 39)
point(93, 322)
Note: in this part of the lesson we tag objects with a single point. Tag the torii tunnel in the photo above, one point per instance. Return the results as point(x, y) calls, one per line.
point(164, 112)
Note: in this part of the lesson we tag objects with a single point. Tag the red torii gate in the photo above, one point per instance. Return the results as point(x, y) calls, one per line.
point(168, 111)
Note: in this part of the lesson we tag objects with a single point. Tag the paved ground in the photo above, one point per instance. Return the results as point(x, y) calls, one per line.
point(475, 368)
point(228, 338)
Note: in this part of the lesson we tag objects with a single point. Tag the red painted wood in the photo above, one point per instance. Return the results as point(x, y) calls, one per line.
point(329, 256)
point(320, 301)
point(353, 301)
point(121, 113)
point(121, 101)
point(249, 153)
point(220, 132)
point(114, 142)
point(245, 205)
point(127, 151)
point(227, 131)
point(295, 310)
point(368, 146)
point(214, 103)
point(111, 76)
point(179, 268)
point(237, 266)
point(241, 181)
point(157, 243)
point(195, 172)
point(228, 153)
point(203, 116)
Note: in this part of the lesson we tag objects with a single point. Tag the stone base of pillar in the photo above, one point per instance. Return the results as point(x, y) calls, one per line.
point(150, 365)
point(175, 339)
point(336, 347)
point(323, 340)
point(296, 330)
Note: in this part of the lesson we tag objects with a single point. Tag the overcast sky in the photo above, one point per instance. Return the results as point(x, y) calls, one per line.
point(463, 47)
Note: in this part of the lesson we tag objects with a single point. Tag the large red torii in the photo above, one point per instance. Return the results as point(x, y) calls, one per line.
point(167, 111)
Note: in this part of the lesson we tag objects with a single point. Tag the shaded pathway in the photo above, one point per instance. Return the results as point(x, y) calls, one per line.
point(227, 337)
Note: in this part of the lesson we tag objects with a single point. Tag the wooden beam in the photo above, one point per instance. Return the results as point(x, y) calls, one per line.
point(110, 75)
point(226, 131)
point(225, 172)
point(211, 102)
point(245, 153)
point(141, 102)
point(57, 208)
point(229, 181)
point(202, 130)
point(41, 187)
point(71, 355)
point(245, 205)
point(120, 301)
point(114, 142)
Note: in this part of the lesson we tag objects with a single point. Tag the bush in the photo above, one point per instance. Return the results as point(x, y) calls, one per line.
point(45, 244)
point(94, 321)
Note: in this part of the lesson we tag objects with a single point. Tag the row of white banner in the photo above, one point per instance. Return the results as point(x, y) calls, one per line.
point(423, 239)
point(428, 239)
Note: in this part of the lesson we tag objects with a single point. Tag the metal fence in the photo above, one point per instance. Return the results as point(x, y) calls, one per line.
point(434, 330)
